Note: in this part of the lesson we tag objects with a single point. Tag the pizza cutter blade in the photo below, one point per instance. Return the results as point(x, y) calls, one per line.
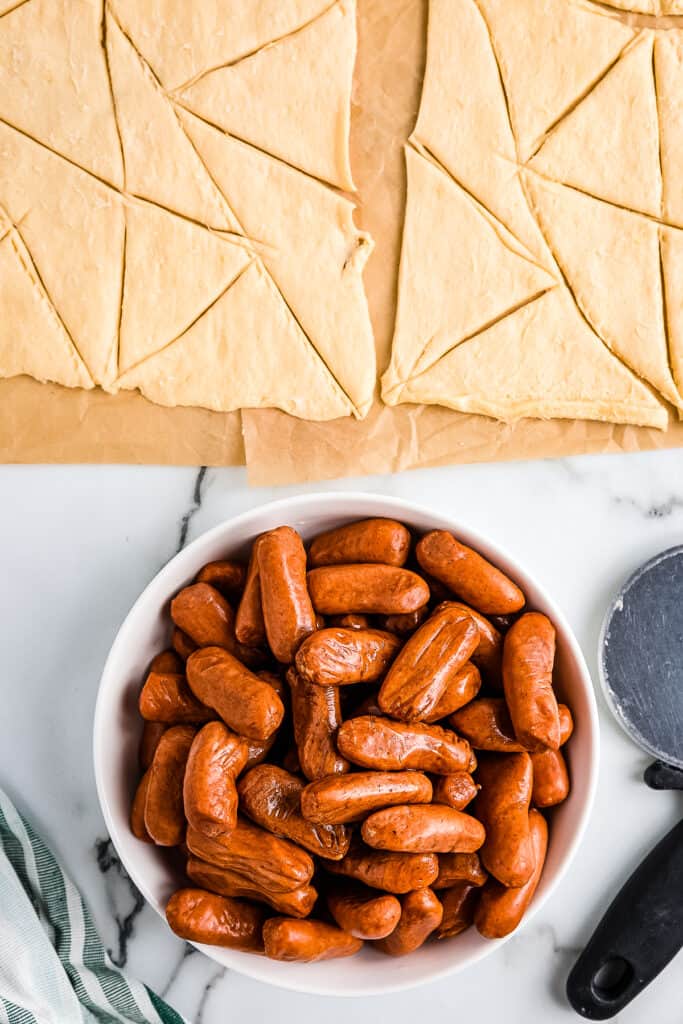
point(641, 671)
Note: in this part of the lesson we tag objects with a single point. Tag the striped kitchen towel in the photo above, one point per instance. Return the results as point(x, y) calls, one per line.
point(53, 966)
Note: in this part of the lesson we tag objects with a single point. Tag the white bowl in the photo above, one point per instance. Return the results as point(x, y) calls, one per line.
point(118, 726)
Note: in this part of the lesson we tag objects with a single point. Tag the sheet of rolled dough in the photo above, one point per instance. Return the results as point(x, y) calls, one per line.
point(288, 98)
point(549, 52)
point(305, 235)
point(609, 144)
point(542, 361)
point(457, 274)
point(246, 350)
point(136, 250)
point(611, 260)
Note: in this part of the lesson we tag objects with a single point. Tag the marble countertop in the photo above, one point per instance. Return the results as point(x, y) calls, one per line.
point(78, 544)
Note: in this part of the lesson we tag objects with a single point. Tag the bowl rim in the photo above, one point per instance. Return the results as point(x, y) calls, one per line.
point(320, 502)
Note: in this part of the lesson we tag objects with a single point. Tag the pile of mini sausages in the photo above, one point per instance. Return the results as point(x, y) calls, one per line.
point(351, 743)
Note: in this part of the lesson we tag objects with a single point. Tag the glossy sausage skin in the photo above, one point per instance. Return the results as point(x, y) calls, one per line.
point(459, 867)
point(366, 589)
point(427, 663)
point(528, 657)
point(297, 903)
point(486, 724)
point(290, 760)
point(374, 742)
point(137, 811)
point(182, 644)
point(247, 704)
point(167, 662)
point(287, 610)
point(258, 750)
point(164, 814)
point(349, 621)
point(456, 790)
point(167, 698)
point(406, 623)
point(391, 872)
point(370, 540)
point(346, 798)
point(421, 914)
point(503, 808)
point(488, 657)
point(204, 615)
point(149, 741)
point(200, 916)
point(316, 716)
point(225, 575)
point(249, 625)
point(363, 912)
point(566, 723)
point(306, 941)
point(418, 828)
point(271, 797)
point(274, 864)
point(217, 756)
point(501, 909)
point(337, 657)
point(551, 778)
point(464, 571)
point(459, 903)
point(462, 688)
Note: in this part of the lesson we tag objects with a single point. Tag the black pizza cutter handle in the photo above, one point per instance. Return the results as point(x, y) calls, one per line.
point(660, 775)
point(640, 933)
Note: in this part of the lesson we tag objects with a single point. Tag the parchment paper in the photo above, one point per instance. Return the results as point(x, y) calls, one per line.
point(47, 423)
point(279, 449)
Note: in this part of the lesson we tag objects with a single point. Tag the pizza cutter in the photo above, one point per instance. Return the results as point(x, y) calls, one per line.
point(641, 671)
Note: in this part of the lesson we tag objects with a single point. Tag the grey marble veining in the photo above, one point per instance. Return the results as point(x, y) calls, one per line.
point(78, 544)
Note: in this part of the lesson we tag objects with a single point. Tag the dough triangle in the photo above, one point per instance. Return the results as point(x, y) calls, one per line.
point(456, 276)
point(668, 70)
point(463, 119)
point(671, 242)
point(54, 85)
point(306, 237)
point(611, 259)
point(542, 361)
point(174, 270)
point(74, 229)
point(27, 316)
point(245, 352)
point(208, 33)
point(549, 53)
point(609, 144)
point(160, 163)
point(291, 99)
